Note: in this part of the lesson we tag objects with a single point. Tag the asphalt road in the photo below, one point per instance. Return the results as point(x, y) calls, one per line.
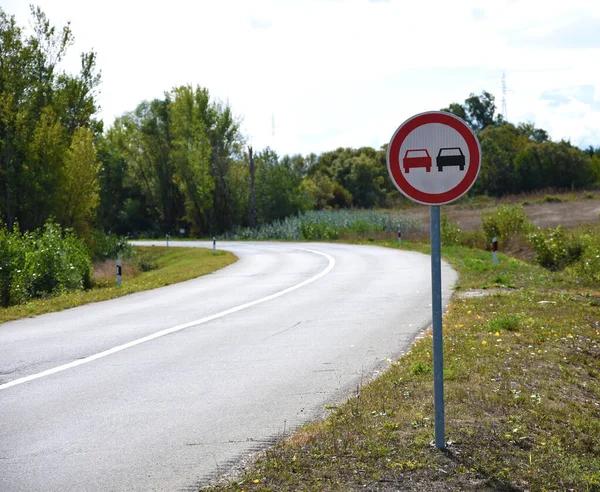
point(164, 389)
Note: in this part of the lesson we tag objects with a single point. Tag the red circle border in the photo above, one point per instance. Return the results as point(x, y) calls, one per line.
point(393, 158)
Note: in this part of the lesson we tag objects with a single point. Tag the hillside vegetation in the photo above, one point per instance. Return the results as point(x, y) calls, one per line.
point(180, 165)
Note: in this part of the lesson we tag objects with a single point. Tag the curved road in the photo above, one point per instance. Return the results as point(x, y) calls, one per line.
point(164, 389)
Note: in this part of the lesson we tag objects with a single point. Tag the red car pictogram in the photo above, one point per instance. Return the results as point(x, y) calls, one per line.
point(412, 161)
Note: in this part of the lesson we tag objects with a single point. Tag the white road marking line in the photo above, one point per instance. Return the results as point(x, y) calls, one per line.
point(168, 331)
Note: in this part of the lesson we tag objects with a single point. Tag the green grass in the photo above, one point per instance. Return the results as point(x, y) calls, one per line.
point(522, 389)
point(172, 265)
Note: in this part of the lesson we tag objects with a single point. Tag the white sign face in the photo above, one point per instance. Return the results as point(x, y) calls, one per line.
point(434, 158)
point(436, 139)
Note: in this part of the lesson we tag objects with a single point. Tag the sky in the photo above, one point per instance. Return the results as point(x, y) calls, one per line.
point(313, 75)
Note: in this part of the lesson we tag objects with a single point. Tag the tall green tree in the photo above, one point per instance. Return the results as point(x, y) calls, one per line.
point(144, 138)
point(279, 190)
point(79, 188)
point(41, 108)
point(477, 111)
point(191, 154)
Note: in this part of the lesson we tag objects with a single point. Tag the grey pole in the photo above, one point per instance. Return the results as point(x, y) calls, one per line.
point(214, 245)
point(119, 273)
point(167, 240)
point(436, 311)
point(399, 236)
point(495, 250)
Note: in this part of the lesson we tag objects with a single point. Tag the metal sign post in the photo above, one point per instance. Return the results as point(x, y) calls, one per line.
point(436, 313)
point(434, 158)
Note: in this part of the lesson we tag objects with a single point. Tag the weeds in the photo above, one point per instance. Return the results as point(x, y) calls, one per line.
point(328, 225)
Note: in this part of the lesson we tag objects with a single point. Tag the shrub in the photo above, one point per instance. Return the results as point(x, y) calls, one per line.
point(146, 261)
point(474, 238)
point(450, 233)
point(509, 322)
point(587, 269)
point(552, 199)
point(12, 256)
point(554, 248)
point(110, 246)
point(506, 222)
point(40, 263)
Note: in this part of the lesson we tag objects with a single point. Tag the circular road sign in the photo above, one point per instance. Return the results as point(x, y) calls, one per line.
point(434, 158)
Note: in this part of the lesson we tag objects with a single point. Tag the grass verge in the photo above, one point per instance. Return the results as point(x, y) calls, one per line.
point(522, 389)
point(173, 265)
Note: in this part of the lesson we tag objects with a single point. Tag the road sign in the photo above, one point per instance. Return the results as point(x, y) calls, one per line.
point(454, 148)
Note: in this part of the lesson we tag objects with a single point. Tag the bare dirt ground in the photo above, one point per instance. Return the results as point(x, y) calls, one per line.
point(572, 211)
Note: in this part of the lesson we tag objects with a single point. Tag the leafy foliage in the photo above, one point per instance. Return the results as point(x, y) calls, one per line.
point(110, 246)
point(450, 232)
point(477, 111)
point(555, 248)
point(43, 116)
point(505, 223)
point(41, 263)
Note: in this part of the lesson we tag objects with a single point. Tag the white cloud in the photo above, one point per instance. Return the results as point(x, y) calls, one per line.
point(340, 73)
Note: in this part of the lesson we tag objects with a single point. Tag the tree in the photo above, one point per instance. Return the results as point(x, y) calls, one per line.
point(279, 190)
point(192, 154)
point(207, 141)
point(79, 187)
point(477, 111)
point(532, 133)
point(145, 141)
point(41, 171)
point(360, 176)
point(39, 115)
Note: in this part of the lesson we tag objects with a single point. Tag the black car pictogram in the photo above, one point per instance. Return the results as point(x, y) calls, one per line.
point(453, 156)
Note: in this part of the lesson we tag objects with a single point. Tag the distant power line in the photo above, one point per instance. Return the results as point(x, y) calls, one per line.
point(504, 112)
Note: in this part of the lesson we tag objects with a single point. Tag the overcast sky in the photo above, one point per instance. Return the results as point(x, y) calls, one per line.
point(343, 73)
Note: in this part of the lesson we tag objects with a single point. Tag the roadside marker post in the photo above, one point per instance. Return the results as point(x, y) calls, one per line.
point(495, 250)
point(456, 167)
point(214, 245)
point(167, 240)
point(399, 236)
point(119, 273)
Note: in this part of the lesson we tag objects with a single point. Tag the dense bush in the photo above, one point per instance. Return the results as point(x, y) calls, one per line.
point(450, 233)
point(110, 246)
point(555, 248)
point(41, 263)
point(505, 222)
point(587, 268)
